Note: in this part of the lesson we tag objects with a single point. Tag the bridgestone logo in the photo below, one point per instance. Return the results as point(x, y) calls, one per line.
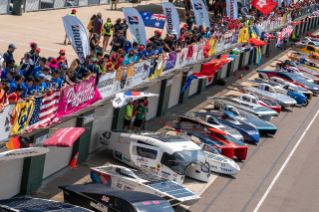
point(169, 19)
point(232, 10)
point(78, 43)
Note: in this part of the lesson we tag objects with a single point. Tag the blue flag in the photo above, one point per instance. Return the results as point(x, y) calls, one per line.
point(153, 20)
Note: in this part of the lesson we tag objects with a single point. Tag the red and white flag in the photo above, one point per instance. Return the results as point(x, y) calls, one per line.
point(45, 111)
point(264, 6)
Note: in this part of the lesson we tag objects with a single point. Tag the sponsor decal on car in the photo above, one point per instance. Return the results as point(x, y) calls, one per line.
point(105, 199)
point(126, 159)
point(119, 185)
point(214, 167)
point(165, 174)
point(118, 154)
point(128, 188)
point(226, 170)
point(99, 206)
point(142, 160)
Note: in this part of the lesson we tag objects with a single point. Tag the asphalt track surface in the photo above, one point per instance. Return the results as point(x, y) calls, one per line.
point(296, 187)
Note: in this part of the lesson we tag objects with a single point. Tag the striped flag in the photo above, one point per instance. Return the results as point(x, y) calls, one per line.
point(45, 111)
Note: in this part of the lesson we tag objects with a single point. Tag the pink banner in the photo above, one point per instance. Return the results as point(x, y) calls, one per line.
point(78, 96)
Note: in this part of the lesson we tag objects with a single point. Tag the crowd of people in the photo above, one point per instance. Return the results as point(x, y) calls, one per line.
point(22, 79)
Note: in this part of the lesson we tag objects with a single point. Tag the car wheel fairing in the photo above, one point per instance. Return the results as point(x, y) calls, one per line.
point(195, 171)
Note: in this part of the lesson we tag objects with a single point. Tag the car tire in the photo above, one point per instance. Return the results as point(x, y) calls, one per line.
point(305, 103)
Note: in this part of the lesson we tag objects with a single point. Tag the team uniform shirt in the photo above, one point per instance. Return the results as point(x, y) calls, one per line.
point(148, 53)
point(127, 46)
point(36, 71)
point(12, 84)
point(139, 55)
point(4, 73)
point(23, 72)
point(43, 87)
point(119, 61)
point(128, 60)
point(157, 51)
point(32, 90)
point(7, 56)
point(25, 90)
point(55, 83)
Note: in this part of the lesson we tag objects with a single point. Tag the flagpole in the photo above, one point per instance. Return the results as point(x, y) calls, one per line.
point(164, 26)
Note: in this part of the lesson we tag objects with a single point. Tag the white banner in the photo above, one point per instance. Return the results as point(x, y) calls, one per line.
point(136, 25)
point(141, 72)
point(23, 153)
point(77, 36)
point(231, 9)
point(5, 125)
point(172, 19)
point(201, 14)
point(122, 99)
point(181, 58)
point(106, 84)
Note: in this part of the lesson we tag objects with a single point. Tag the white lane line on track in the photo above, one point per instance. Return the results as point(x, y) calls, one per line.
point(23, 44)
point(285, 163)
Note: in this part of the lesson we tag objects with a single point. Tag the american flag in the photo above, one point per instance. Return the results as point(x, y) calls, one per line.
point(45, 111)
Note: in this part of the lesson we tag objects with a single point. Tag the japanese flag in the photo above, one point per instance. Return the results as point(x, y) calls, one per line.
point(264, 6)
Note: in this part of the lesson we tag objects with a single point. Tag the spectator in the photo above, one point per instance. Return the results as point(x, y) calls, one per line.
point(17, 81)
point(107, 32)
point(169, 40)
point(110, 66)
point(85, 70)
point(34, 89)
point(187, 5)
point(145, 117)
point(24, 72)
point(61, 54)
point(119, 42)
point(72, 74)
point(4, 73)
point(26, 85)
point(130, 58)
point(189, 22)
point(101, 66)
point(3, 95)
point(15, 96)
point(118, 26)
point(114, 2)
point(56, 82)
point(43, 86)
point(33, 46)
point(127, 44)
point(35, 59)
point(106, 57)
point(140, 113)
point(98, 25)
point(135, 47)
point(53, 64)
point(140, 53)
point(148, 53)
point(99, 55)
point(37, 70)
point(62, 61)
point(157, 36)
point(128, 115)
point(10, 80)
point(64, 69)
point(124, 27)
point(95, 41)
point(27, 61)
point(90, 25)
point(157, 48)
point(8, 55)
point(73, 13)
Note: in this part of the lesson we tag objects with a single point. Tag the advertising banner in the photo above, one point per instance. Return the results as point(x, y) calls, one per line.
point(212, 46)
point(20, 116)
point(172, 19)
point(5, 125)
point(77, 35)
point(106, 84)
point(244, 6)
point(201, 48)
point(170, 61)
point(200, 13)
point(157, 69)
point(123, 78)
point(231, 9)
point(227, 39)
point(141, 72)
point(234, 38)
point(74, 98)
point(181, 58)
point(136, 25)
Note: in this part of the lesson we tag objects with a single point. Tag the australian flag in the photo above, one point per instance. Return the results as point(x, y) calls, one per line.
point(153, 20)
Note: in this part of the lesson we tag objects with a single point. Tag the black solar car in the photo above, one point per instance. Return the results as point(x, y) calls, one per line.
point(26, 204)
point(99, 197)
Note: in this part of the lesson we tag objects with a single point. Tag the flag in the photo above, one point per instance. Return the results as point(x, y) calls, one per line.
point(289, 30)
point(153, 20)
point(14, 143)
point(280, 37)
point(228, 57)
point(208, 71)
point(136, 25)
point(77, 35)
point(231, 9)
point(122, 99)
point(64, 137)
point(264, 6)
point(20, 116)
point(200, 13)
point(257, 56)
point(172, 19)
point(45, 111)
point(256, 42)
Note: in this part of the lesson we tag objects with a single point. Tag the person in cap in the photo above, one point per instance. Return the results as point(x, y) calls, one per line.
point(107, 32)
point(73, 13)
point(98, 25)
point(183, 30)
point(114, 2)
point(61, 54)
point(124, 26)
point(140, 53)
point(37, 70)
point(8, 55)
point(157, 36)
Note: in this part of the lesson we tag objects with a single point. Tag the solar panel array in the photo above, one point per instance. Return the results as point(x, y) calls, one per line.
point(25, 204)
point(165, 137)
point(173, 189)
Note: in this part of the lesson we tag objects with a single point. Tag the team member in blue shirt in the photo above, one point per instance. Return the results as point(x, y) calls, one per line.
point(43, 86)
point(56, 82)
point(37, 70)
point(10, 80)
point(148, 53)
point(127, 44)
point(17, 81)
point(27, 85)
point(140, 53)
point(157, 48)
point(8, 56)
point(34, 89)
point(4, 73)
